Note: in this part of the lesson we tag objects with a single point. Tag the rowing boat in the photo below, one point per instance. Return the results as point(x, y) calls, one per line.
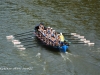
point(60, 47)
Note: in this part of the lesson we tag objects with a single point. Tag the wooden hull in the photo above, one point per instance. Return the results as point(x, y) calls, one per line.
point(56, 48)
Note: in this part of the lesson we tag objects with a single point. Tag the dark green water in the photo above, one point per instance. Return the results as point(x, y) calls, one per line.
point(79, 16)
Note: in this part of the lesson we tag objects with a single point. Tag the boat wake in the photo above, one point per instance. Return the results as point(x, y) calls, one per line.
point(38, 55)
point(65, 56)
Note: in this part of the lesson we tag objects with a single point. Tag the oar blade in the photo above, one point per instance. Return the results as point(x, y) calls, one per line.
point(10, 37)
point(22, 48)
point(91, 44)
point(15, 43)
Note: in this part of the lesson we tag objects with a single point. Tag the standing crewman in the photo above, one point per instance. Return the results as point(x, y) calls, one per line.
point(63, 47)
point(61, 38)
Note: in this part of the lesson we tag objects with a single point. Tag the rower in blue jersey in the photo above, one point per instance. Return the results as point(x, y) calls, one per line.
point(64, 47)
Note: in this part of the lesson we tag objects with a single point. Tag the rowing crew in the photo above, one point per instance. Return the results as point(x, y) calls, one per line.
point(49, 36)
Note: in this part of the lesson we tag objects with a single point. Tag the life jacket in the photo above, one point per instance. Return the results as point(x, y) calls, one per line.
point(62, 38)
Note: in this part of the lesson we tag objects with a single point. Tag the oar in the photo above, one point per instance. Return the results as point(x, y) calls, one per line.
point(10, 37)
point(74, 34)
point(19, 46)
point(23, 48)
point(27, 41)
point(26, 38)
point(23, 45)
point(91, 44)
point(77, 36)
point(23, 33)
point(76, 43)
point(79, 42)
point(22, 41)
point(16, 43)
point(69, 34)
point(75, 40)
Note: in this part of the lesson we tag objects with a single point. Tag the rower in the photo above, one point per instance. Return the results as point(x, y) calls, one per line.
point(53, 40)
point(41, 28)
point(48, 30)
point(44, 35)
point(53, 33)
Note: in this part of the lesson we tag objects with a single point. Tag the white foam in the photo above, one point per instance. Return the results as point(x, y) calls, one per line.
point(38, 55)
point(44, 62)
point(43, 68)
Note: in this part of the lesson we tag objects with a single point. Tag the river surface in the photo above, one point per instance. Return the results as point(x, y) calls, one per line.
point(78, 16)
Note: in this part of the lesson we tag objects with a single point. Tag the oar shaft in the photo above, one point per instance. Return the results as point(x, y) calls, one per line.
point(31, 47)
point(68, 35)
point(73, 38)
point(24, 33)
point(25, 38)
point(27, 41)
point(78, 43)
point(28, 44)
